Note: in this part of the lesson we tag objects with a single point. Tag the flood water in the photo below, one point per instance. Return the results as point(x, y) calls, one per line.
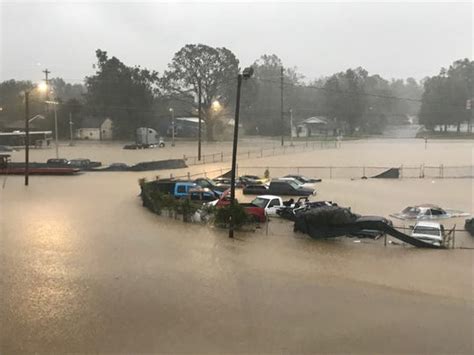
point(85, 268)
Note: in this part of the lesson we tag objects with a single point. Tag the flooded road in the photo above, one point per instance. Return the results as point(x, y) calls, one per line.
point(85, 268)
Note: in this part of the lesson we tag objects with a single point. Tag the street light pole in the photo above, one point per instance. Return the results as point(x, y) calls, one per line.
point(247, 73)
point(27, 137)
point(172, 127)
point(291, 127)
point(56, 130)
point(199, 118)
point(71, 139)
point(281, 107)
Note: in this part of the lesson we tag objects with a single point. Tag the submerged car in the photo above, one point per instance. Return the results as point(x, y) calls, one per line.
point(429, 232)
point(427, 211)
point(58, 162)
point(303, 179)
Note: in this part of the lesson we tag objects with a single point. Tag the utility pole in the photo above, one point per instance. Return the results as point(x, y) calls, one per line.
point(56, 130)
point(27, 137)
point(281, 108)
point(291, 127)
point(71, 139)
point(199, 118)
point(172, 126)
point(46, 80)
point(55, 104)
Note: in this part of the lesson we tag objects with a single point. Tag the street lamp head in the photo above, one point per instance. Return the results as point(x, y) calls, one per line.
point(247, 73)
point(171, 109)
point(42, 86)
point(216, 106)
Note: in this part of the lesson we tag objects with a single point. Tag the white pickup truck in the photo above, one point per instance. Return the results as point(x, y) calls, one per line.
point(271, 203)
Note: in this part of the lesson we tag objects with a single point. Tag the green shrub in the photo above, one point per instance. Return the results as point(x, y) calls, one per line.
point(236, 211)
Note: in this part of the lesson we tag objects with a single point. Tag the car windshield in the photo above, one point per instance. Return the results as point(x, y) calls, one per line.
point(427, 230)
point(260, 202)
point(294, 184)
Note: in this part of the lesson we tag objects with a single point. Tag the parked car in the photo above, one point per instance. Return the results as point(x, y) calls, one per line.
point(59, 163)
point(272, 204)
point(245, 180)
point(257, 213)
point(203, 195)
point(303, 179)
point(178, 189)
point(222, 181)
point(209, 184)
point(255, 189)
point(427, 212)
point(84, 164)
point(285, 187)
point(429, 232)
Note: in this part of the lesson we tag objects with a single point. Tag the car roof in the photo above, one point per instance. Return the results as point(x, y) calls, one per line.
point(269, 197)
point(428, 224)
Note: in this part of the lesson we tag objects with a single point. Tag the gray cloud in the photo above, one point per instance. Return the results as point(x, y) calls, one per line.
point(391, 39)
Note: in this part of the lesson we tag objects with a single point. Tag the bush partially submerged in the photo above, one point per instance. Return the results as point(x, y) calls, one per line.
point(236, 211)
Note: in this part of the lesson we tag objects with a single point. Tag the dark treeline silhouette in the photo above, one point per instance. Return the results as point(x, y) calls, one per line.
point(133, 96)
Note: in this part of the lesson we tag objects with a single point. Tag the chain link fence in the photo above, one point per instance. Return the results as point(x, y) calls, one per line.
point(262, 152)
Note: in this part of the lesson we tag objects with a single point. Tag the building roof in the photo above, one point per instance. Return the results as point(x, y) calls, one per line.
point(20, 124)
point(316, 120)
point(188, 119)
point(92, 122)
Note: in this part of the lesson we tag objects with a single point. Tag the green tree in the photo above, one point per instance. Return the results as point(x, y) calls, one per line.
point(125, 94)
point(200, 68)
point(345, 97)
point(445, 95)
point(12, 100)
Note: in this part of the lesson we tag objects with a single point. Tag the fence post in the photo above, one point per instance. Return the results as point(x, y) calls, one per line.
point(248, 154)
point(363, 171)
point(298, 170)
point(330, 172)
point(222, 156)
point(171, 176)
point(441, 171)
point(401, 171)
point(205, 174)
point(189, 175)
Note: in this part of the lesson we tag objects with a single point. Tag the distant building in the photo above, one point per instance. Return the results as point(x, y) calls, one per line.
point(186, 127)
point(95, 128)
point(315, 126)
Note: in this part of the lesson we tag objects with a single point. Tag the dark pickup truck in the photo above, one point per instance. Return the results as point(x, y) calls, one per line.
point(279, 188)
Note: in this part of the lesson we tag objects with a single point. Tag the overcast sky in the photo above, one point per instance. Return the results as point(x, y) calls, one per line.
point(392, 39)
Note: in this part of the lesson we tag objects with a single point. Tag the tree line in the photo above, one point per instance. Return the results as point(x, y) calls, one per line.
point(134, 96)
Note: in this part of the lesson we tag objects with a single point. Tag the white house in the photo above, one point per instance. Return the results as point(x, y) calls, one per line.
point(95, 128)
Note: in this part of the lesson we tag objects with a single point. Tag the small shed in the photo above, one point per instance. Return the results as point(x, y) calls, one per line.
point(315, 126)
point(95, 128)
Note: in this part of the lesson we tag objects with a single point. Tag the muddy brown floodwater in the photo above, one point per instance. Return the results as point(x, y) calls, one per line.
point(85, 268)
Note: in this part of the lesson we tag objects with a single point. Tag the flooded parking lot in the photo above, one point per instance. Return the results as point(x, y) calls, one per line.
point(85, 268)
